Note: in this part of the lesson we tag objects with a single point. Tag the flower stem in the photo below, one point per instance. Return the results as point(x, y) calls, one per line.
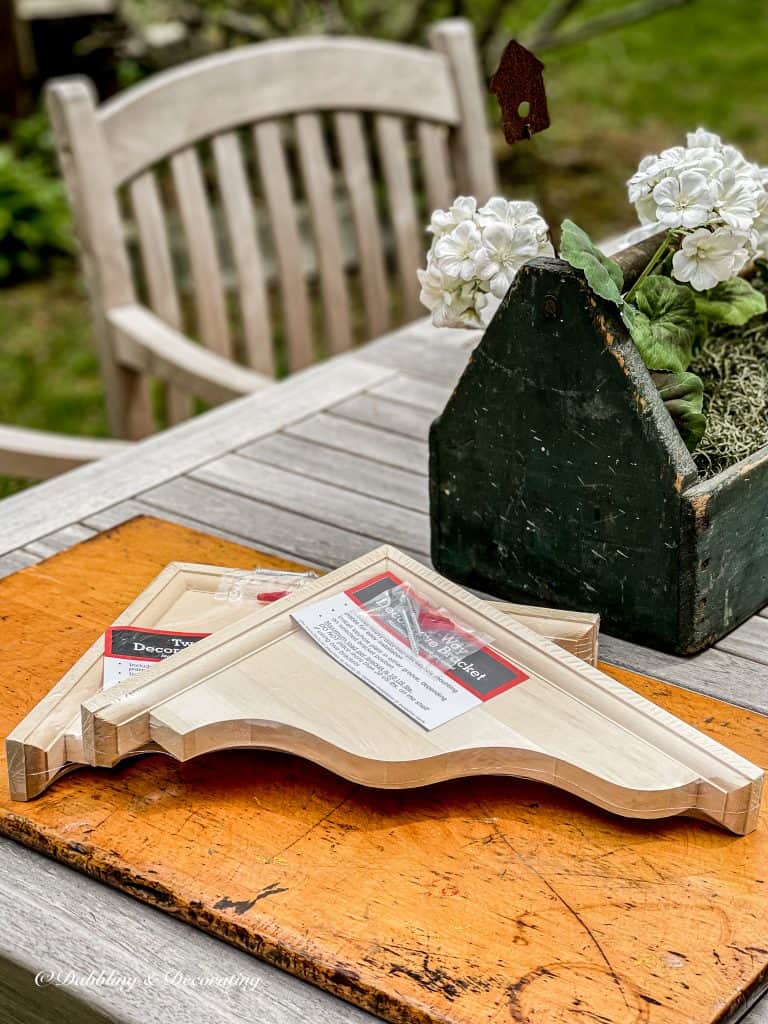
point(660, 253)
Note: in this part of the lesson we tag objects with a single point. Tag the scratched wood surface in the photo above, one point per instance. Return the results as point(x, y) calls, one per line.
point(470, 901)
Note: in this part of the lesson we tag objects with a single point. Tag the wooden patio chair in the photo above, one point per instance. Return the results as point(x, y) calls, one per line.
point(39, 454)
point(173, 182)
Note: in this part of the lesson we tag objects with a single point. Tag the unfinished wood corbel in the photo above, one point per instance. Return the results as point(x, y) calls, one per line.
point(262, 682)
point(49, 740)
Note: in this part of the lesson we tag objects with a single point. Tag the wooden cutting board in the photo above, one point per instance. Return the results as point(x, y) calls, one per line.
point(462, 903)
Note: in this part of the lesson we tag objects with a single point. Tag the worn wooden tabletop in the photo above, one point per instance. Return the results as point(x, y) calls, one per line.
point(319, 468)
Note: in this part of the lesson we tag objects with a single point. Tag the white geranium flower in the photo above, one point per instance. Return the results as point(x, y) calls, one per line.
point(702, 138)
point(703, 184)
point(513, 212)
point(451, 301)
point(736, 201)
point(650, 172)
point(685, 201)
point(708, 257)
point(760, 226)
point(709, 162)
point(505, 248)
point(646, 209)
point(474, 256)
point(458, 251)
point(735, 161)
point(444, 221)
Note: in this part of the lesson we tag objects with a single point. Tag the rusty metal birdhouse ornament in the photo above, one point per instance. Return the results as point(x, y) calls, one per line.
point(518, 84)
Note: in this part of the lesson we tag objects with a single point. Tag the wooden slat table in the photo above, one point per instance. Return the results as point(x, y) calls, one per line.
point(318, 468)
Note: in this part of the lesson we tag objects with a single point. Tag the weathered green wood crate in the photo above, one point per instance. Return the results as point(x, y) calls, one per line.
point(557, 476)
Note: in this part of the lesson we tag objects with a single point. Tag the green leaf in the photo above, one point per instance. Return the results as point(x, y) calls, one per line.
point(683, 397)
point(604, 275)
point(731, 302)
point(663, 323)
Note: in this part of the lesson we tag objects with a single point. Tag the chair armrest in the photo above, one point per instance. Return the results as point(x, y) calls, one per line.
point(38, 455)
point(146, 344)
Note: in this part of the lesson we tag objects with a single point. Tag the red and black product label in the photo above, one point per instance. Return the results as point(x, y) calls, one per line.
point(434, 636)
point(136, 644)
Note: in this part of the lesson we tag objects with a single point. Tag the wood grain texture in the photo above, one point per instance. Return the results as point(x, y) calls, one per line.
point(239, 214)
point(332, 505)
point(393, 154)
point(202, 251)
point(713, 672)
point(125, 510)
point(345, 469)
point(394, 417)
point(336, 432)
point(15, 561)
point(261, 524)
point(60, 540)
point(317, 177)
point(158, 273)
point(84, 156)
point(435, 355)
point(418, 393)
point(433, 143)
point(359, 182)
point(55, 919)
point(279, 193)
point(260, 849)
point(749, 641)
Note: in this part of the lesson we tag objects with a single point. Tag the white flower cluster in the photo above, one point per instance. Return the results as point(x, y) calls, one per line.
point(714, 197)
point(474, 256)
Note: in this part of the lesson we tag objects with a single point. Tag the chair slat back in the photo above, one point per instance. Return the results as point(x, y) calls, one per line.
point(163, 297)
point(279, 196)
point(202, 252)
point(318, 183)
point(177, 108)
point(293, 176)
point(393, 153)
point(438, 182)
point(370, 253)
point(240, 219)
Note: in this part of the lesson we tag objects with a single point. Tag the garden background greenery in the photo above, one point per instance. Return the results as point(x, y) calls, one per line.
point(612, 99)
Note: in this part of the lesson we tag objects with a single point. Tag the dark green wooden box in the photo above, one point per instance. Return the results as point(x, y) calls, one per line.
point(558, 477)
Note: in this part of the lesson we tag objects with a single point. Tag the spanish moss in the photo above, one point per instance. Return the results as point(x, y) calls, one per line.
point(733, 364)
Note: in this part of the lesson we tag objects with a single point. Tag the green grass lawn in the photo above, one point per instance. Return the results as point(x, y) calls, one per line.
point(49, 374)
point(611, 100)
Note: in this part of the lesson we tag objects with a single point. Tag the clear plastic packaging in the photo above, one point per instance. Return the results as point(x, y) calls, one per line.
point(259, 586)
point(428, 630)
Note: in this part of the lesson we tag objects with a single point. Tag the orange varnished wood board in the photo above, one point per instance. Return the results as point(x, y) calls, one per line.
point(469, 902)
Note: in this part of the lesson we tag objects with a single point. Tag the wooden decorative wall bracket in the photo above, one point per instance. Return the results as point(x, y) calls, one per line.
point(262, 682)
point(49, 740)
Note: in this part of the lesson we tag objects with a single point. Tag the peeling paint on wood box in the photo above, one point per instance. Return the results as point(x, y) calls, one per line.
point(557, 476)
